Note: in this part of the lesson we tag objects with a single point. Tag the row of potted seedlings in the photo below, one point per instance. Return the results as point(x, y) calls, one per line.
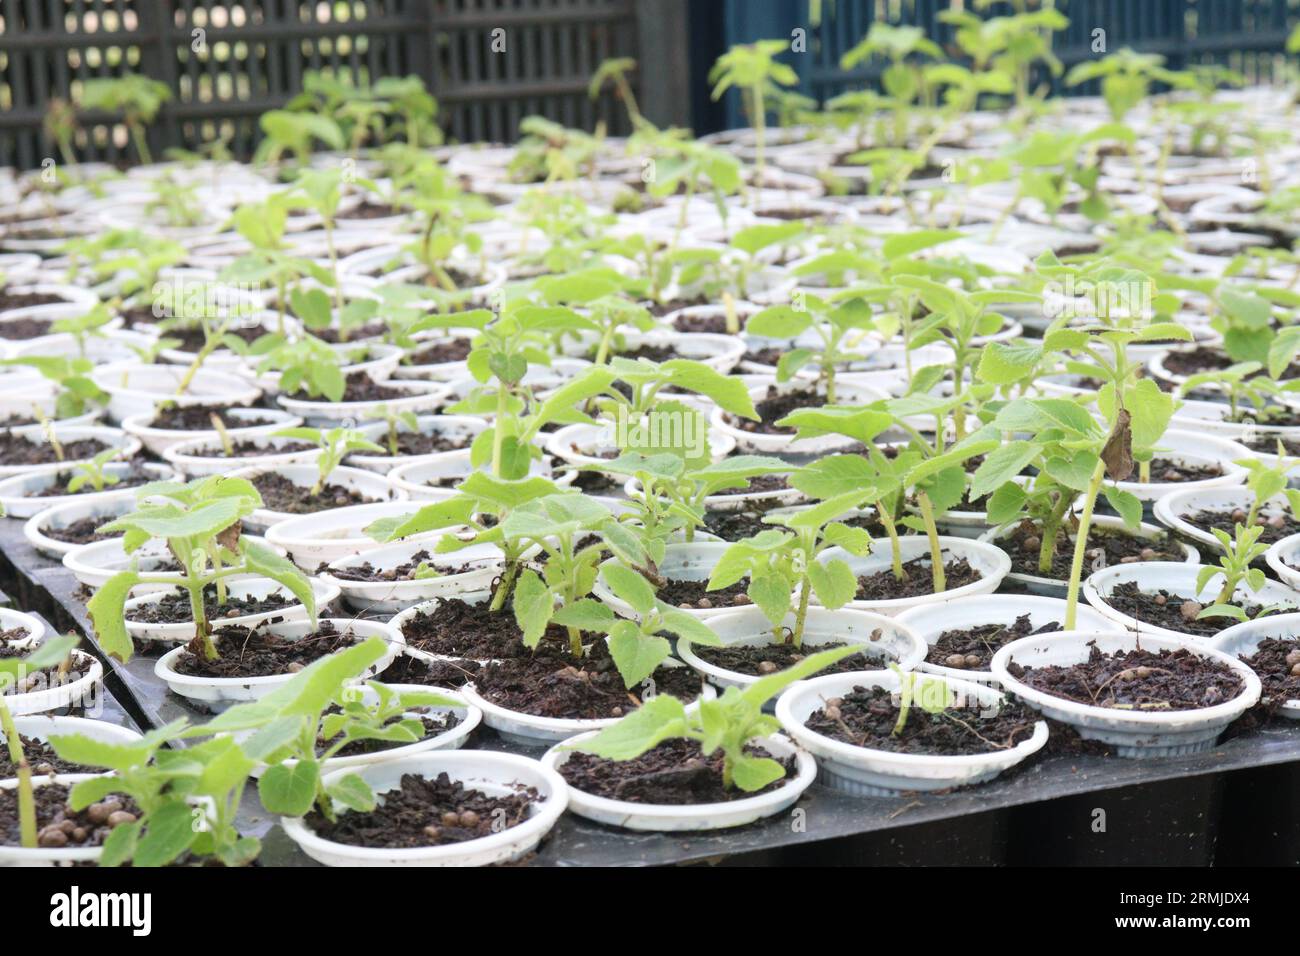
point(704, 506)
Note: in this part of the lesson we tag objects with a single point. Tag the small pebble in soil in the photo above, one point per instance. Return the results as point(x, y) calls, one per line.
point(1189, 610)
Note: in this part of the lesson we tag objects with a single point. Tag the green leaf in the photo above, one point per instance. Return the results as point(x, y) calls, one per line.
point(635, 654)
point(1000, 466)
point(630, 586)
point(1127, 504)
point(687, 626)
point(779, 322)
point(754, 773)
point(1004, 363)
point(834, 475)
point(289, 789)
point(533, 604)
point(267, 563)
point(586, 614)
point(120, 844)
point(1006, 503)
point(353, 792)
point(656, 720)
point(771, 593)
point(834, 583)
point(169, 832)
point(106, 609)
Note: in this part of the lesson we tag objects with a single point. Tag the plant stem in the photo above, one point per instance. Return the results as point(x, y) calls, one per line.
point(895, 546)
point(202, 629)
point(936, 554)
point(1051, 527)
point(26, 796)
point(801, 616)
point(1081, 544)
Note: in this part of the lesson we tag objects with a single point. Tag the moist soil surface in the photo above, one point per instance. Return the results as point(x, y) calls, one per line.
point(732, 525)
point(917, 580)
point(256, 449)
point(439, 353)
point(866, 717)
point(422, 813)
point(1276, 526)
point(774, 406)
point(673, 773)
point(760, 483)
point(26, 328)
point(198, 418)
point(1280, 678)
point(81, 531)
point(1111, 547)
point(551, 683)
point(57, 825)
point(40, 757)
point(763, 659)
point(1137, 680)
point(1268, 445)
point(972, 648)
point(361, 387)
point(1166, 610)
point(456, 628)
point(12, 299)
point(1170, 471)
point(174, 607)
point(409, 670)
point(192, 338)
point(366, 572)
point(417, 443)
point(280, 494)
point(712, 324)
point(60, 485)
point(19, 450)
point(255, 652)
point(694, 594)
point(1206, 358)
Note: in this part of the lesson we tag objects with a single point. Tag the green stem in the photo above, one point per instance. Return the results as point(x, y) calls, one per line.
point(1081, 545)
point(26, 796)
point(801, 616)
point(936, 554)
point(895, 546)
point(201, 627)
point(1051, 528)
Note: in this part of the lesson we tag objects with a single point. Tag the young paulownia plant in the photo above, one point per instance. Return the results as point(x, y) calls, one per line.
point(1240, 551)
point(335, 445)
point(729, 723)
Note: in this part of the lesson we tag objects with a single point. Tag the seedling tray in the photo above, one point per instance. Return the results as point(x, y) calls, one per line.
point(1232, 803)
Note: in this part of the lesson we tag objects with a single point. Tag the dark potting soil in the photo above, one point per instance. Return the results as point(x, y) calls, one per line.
point(972, 648)
point(25, 328)
point(439, 353)
point(660, 309)
point(1276, 526)
point(1168, 470)
point(81, 531)
point(672, 773)
point(1277, 662)
point(280, 494)
point(193, 338)
point(1268, 445)
point(917, 580)
point(1166, 610)
point(1207, 358)
point(434, 724)
point(458, 629)
point(769, 658)
point(866, 717)
point(595, 482)
point(20, 450)
point(174, 607)
point(13, 299)
point(695, 594)
point(366, 572)
point(198, 418)
point(57, 825)
point(254, 652)
point(60, 485)
point(40, 757)
point(775, 406)
point(368, 210)
point(1111, 547)
point(257, 449)
point(361, 387)
point(760, 483)
point(734, 524)
point(422, 812)
point(409, 670)
point(1136, 680)
point(711, 324)
point(371, 330)
point(551, 683)
point(418, 443)
point(767, 355)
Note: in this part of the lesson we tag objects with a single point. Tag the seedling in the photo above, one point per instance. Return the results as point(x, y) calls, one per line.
point(335, 445)
point(832, 326)
point(200, 522)
point(729, 723)
point(136, 97)
point(1240, 552)
point(93, 473)
point(754, 69)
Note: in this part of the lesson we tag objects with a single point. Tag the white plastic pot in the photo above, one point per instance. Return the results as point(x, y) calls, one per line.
point(417, 397)
point(389, 597)
point(44, 726)
point(1132, 733)
point(1177, 579)
point(81, 686)
point(217, 693)
point(862, 771)
point(200, 457)
point(32, 625)
point(159, 440)
point(765, 443)
point(464, 427)
point(991, 562)
point(882, 637)
point(325, 593)
point(316, 539)
point(497, 774)
point(136, 389)
point(695, 817)
point(1051, 587)
point(365, 483)
point(1283, 559)
point(1169, 510)
point(42, 856)
point(681, 562)
point(929, 621)
point(1242, 640)
point(111, 438)
point(104, 507)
